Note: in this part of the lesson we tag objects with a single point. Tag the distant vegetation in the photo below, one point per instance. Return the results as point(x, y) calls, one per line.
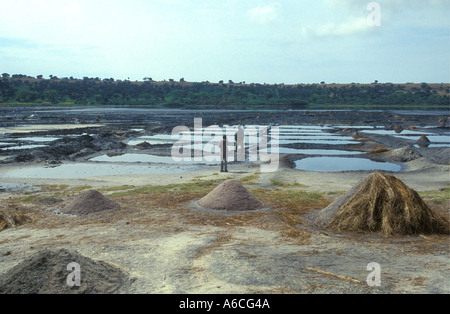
point(24, 90)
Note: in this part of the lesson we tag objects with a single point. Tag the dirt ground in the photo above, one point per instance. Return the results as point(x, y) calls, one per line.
point(167, 244)
point(173, 247)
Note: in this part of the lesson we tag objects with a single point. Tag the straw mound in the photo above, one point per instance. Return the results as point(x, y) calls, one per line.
point(384, 204)
point(90, 202)
point(46, 273)
point(231, 195)
point(12, 220)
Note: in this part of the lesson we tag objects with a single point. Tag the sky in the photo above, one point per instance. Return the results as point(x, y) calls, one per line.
point(252, 41)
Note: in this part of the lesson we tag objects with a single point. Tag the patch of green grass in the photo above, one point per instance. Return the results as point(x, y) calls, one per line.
point(195, 186)
point(117, 188)
point(80, 188)
point(50, 187)
point(27, 199)
point(250, 179)
point(286, 185)
point(291, 198)
point(438, 197)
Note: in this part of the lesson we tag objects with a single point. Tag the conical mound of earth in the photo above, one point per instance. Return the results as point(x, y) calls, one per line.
point(90, 202)
point(423, 141)
point(231, 195)
point(384, 204)
point(47, 272)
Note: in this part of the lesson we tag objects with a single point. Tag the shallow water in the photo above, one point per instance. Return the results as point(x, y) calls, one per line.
point(24, 147)
point(337, 164)
point(331, 152)
point(37, 139)
point(322, 142)
point(393, 133)
point(149, 159)
point(319, 137)
point(82, 170)
point(433, 138)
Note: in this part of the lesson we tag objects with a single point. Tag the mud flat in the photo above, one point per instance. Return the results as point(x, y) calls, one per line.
point(164, 246)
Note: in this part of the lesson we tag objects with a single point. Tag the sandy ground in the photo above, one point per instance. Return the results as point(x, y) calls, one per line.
point(186, 251)
point(181, 249)
point(419, 174)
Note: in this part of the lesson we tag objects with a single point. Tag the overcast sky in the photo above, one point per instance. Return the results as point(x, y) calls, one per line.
point(257, 41)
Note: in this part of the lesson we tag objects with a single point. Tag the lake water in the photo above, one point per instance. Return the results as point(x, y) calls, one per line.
point(24, 147)
point(336, 164)
point(81, 170)
point(136, 158)
point(331, 152)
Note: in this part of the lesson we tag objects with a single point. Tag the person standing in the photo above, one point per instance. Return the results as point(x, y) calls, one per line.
point(224, 154)
point(240, 147)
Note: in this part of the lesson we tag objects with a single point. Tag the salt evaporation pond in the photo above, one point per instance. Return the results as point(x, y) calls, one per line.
point(137, 158)
point(331, 152)
point(82, 170)
point(337, 164)
point(24, 147)
point(437, 140)
point(38, 139)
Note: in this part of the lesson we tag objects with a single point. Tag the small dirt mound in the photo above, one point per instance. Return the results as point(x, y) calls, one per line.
point(90, 202)
point(144, 145)
point(398, 129)
point(231, 195)
point(423, 141)
point(384, 204)
point(46, 273)
point(12, 220)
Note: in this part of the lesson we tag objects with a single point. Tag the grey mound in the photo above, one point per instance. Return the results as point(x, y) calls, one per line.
point(404, 154)
point(231, 195)
point(46, 273)
point(90, 202)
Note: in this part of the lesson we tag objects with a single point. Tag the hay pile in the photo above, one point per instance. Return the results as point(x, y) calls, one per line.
point(231, 195)
point(89, 202)
point(11, 220)
point(46, 273)
point(384, 204)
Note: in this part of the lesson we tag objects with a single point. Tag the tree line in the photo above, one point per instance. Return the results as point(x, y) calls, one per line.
point(26, 90)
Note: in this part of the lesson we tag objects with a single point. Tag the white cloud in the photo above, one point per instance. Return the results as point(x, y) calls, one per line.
point(264, 14)
point(353, 27)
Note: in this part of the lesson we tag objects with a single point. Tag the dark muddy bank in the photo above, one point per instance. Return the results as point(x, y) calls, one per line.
point(116, 126)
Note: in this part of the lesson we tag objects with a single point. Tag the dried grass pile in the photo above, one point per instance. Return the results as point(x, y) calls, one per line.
point(90, 202)
point(11, 220)
point(384, 204)
point(231, 195)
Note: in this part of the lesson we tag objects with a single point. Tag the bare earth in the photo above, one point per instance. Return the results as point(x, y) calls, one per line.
point(166, 244)
point(184, 251)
